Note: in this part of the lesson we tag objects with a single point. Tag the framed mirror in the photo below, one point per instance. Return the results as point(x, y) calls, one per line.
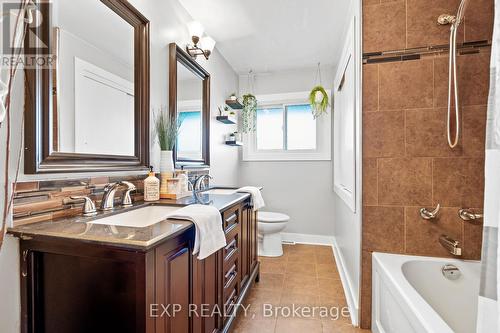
point(89, 109)
point(189, 102)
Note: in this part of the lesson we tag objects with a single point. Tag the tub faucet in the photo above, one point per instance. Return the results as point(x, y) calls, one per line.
point(451, 245)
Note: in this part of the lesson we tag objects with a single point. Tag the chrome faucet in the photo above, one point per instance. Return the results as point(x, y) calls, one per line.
point(198, 184)
point(469, 214)
point(451, 245)
point(108, 198)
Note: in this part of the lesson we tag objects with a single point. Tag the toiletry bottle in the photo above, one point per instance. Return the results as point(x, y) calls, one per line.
point(183, 176)
point(151, 187)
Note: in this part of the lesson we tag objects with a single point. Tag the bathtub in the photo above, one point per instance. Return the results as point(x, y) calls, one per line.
point(410, 294)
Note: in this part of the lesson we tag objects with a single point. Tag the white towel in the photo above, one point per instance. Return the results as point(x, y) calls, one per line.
point(257, 199)
point(209, 233)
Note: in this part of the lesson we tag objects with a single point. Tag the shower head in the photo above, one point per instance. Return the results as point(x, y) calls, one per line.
point(445, 19)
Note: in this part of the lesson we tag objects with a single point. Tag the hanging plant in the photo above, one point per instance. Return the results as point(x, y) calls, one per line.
point(318, 98)
point(249, 113)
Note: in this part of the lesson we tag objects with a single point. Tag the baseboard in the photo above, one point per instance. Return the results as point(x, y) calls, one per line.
point(289, 237)
point(352, 301)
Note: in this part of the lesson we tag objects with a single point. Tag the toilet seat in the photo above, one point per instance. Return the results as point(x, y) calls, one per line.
point(272, 217)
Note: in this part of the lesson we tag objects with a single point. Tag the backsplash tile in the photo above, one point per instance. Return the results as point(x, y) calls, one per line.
point(50, 199)
point(38, 201)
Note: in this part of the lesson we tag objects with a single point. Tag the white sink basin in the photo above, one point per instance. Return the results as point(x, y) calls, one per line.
point(223, 191)
point(139, 218)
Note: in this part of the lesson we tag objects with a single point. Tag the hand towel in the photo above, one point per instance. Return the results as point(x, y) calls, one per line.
point(210, 236)
point(257, 199)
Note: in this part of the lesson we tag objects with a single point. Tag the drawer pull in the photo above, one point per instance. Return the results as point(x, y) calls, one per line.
point(231, 299)
point(230, 249)
point(230, 275)
point(231, 219)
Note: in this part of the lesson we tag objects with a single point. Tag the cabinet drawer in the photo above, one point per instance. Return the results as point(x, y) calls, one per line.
point(229, 303)
point(231, 218)
point(230, 277)
point(231, 249)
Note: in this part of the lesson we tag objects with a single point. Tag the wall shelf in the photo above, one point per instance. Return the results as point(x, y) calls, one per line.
point(234, 104)
point(227, 119)
point(234, 143)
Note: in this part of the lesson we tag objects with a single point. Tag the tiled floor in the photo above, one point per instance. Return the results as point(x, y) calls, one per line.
point(305, 277)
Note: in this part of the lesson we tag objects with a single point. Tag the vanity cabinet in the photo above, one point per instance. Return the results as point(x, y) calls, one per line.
point(69, 285)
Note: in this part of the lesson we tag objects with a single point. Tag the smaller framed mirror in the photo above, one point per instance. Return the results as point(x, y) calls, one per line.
point(189, 103)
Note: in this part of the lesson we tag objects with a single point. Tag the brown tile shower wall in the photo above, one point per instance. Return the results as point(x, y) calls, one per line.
point(407, 163)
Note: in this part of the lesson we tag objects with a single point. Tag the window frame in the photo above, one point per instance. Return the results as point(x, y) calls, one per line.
point(323, 133)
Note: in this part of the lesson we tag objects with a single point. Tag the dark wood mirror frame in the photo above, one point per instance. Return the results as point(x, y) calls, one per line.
point(39, 156)
point(177, 54)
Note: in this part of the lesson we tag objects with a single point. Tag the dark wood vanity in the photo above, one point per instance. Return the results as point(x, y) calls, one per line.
point(71, 285)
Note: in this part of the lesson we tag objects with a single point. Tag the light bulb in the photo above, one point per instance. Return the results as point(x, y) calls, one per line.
point(195, 29)
point(207, 43)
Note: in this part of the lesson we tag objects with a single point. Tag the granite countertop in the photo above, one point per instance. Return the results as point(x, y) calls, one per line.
point(82, 228)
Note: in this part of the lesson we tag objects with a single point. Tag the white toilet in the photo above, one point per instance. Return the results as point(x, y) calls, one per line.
point(270, 226)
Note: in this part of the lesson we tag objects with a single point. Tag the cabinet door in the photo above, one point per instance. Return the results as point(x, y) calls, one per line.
point(245, 245)
point(173, 263)
point(253, 241)
point(207, 293)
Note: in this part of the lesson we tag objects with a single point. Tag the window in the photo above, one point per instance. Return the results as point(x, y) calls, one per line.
point(189, 138)
point(287, 130)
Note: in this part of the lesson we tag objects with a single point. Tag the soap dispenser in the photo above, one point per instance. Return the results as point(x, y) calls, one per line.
point(151, 187)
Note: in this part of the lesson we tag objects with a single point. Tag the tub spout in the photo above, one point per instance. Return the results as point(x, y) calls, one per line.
point(451, 245)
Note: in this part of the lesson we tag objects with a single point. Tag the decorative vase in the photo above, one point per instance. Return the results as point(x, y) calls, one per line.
point(167, 162)
point(166, 170)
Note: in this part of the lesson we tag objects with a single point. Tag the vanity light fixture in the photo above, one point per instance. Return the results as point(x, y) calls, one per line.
point(201, 45)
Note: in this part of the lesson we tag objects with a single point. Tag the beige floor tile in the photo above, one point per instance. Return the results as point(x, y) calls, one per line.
point(271, 281)
point(340, 326)
point(331, 287)
point(327, 271)
point(254, 325)
point(261, 296)
point(325, 250)
point(301, 284)
point(299, 257)
point(272, 265)
point(322, 258)
point(306, 275)
point(303, 269)
point(297, 325)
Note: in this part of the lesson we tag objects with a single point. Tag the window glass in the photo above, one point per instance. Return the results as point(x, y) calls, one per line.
point(189, 138)
point(301, 128)
point(270, 128)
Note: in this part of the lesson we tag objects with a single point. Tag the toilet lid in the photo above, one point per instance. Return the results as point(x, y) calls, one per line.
point(270, 217)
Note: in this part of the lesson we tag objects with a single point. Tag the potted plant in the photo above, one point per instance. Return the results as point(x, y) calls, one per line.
point(233, 97)
point(318, 98)
point(166, 130)
point(249, 113)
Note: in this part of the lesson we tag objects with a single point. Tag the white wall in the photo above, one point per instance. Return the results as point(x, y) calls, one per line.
point(347, 224)
point(300, 189)
point(168, 24)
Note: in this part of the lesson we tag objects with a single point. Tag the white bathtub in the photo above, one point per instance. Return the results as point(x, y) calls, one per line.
point(410, 294)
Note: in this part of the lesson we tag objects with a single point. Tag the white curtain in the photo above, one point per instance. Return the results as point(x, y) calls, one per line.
point(489, 311)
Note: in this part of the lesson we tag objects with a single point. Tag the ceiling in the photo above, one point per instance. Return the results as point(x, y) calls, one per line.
point(273, 35)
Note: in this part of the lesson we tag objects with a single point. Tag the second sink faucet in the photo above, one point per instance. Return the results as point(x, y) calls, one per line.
point(108, 198)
